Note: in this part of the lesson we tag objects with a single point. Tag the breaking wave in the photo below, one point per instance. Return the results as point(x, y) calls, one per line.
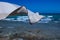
point(25, 19)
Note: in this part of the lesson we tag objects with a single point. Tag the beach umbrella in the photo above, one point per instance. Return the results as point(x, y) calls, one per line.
point(8, 9)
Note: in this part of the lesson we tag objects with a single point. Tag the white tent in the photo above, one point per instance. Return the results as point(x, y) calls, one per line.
point(6, 9)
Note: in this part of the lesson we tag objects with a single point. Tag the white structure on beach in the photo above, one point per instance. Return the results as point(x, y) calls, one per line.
point(8, 9)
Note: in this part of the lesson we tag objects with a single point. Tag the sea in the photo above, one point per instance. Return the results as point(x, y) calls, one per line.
point(47, 28)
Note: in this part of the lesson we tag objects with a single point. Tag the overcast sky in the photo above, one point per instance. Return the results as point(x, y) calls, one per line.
point(43, 6)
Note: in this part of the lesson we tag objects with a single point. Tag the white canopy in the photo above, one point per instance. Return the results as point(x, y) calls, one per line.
point(7, 8)
point(34, 17)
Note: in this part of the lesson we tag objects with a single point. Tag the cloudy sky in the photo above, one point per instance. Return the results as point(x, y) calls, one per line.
point(43, 6)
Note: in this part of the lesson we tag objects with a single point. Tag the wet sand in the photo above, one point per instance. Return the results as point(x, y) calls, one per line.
point(38, 31)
